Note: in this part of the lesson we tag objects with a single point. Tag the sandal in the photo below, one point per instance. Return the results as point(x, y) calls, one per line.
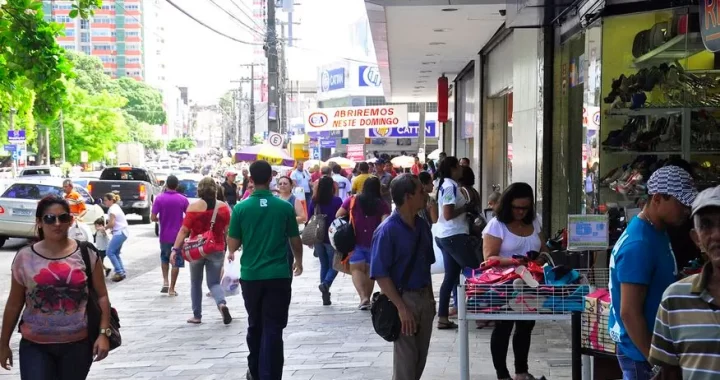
point(227, 318)
point(365, 305)
point(449, 325)
point(194, 321)
point(164, 289)
point(172, 293)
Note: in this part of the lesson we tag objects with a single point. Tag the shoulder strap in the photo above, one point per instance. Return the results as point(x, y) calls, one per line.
point(352, 207)
point(214, 215)
point(413, 258)
point(88, 266)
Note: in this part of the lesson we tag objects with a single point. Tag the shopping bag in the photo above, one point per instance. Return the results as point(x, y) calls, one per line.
point(80, 232)
point(340, 263)
point(230, 282)
point(438, 266)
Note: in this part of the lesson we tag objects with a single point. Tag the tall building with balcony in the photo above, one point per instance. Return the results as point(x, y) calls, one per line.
point(114, 34)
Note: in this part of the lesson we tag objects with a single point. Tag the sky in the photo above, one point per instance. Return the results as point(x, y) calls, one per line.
point(207, 62)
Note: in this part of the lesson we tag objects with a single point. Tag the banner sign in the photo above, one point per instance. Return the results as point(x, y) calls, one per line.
point(587, 232)
point(329, 119)
point(324, 134)
point(16, 135)
point(410, 131)
point(369, 76)
point(709, 24)
point(328, 143)
point(356, 152)
point(333, 79)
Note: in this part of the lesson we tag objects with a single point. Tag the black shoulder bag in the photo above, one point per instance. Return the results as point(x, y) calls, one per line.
point(93, 310)
point(385, 317)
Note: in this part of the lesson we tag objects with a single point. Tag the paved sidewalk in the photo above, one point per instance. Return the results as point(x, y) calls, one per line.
point(321, 343)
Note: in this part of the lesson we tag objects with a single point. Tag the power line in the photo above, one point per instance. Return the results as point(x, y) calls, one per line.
point(237, 19)
point(209, 27)
point(246, 15)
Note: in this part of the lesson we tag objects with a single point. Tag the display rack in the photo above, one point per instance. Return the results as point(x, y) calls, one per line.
point(516, 301)
point(678, 47)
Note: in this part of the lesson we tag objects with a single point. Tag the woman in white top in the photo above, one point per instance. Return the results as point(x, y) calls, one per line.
point(451, 234)
point(515, 230)
point(117, 223)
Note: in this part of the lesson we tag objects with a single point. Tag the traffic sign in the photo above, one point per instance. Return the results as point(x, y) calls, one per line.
point(16, 135)
point(15, 156)
point(10, 147)
point(275, 139)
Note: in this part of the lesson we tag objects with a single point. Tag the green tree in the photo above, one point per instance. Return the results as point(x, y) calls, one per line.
point(258, 139)
point(144, 102)
point(142, 132)
point(89, 73)
point(180, 143)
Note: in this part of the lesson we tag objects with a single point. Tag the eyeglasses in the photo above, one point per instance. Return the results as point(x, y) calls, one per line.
point(52, 218)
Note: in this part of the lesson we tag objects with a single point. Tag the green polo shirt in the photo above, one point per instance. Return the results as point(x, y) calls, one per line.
point(263, 223)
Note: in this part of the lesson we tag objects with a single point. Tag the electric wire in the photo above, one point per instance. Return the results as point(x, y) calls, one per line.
point(210, 27)
point(237, 19)
point(247, 15)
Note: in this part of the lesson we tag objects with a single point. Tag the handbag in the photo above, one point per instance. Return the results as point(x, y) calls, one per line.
point(315, 229)
point(385, 317)
point(93, 310)
point(343, 236)
point(196, 247)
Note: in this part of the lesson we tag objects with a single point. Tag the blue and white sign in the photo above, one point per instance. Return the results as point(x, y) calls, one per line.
point(15, 156)
point(587, 232)
point(369, 76)
point(315, 153)
point(10, 148)
point(324, 134)
point(16, 135)
point(331, 80)
point(411, 131)
point(328, 143)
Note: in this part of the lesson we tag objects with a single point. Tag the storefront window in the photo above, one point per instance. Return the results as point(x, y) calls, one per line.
point(509, 137)
point(466, 115)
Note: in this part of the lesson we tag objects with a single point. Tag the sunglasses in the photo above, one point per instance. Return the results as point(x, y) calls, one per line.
point(52, 218)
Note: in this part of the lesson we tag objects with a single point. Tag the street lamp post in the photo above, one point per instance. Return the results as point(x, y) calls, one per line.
point(12, 128)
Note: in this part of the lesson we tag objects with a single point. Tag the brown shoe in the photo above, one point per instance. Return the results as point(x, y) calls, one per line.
point(118, 277)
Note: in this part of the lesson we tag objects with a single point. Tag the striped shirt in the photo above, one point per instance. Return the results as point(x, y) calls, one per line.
point(687, 329)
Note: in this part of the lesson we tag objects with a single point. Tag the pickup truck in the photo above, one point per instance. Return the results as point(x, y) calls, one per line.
point(137, 188)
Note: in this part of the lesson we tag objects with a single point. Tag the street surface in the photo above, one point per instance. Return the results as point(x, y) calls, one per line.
point(321, 343)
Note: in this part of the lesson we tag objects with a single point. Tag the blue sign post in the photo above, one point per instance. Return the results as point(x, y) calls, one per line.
point(16, 135)
point(10, 148)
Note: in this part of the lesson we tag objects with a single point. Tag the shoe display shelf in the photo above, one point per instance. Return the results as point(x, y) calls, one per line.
point(677, 48)
point(524, 300)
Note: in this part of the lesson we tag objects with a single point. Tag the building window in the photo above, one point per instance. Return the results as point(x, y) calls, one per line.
point(132, 33)
point(62, 19)
point(85, 49)
point(103, 47)
point(107, 72)
point(131, 20)
point(68, 47)
point(103, 20)
point(84, 37)
point(132, 47)
point(132, 60)
point(62, 6)
point(133, 73)
point(108, 7)
point(84, 24)
point(132, 7)
point(101, 32)
point(69, 32)
point(113, 34)
point(107, 59)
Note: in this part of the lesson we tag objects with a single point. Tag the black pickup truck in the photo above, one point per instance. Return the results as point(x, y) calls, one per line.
point(137, 188)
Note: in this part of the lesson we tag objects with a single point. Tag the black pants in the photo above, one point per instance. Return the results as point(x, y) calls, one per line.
point(267, 303)
point(61, 361)
point(500, 340)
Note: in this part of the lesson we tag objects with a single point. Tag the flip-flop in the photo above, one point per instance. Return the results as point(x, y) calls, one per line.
point(527, 276)
point(364, 306)
point(227, 318)
point(164, 289)
point(194, 321)
point(172, 294)
point(449, 325)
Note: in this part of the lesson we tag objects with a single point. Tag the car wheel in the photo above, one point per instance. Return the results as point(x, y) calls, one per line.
point(146, 219)
point(2, 241)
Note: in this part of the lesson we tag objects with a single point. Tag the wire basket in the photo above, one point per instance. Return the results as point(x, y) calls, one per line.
point(594, 333)
point(516, 300)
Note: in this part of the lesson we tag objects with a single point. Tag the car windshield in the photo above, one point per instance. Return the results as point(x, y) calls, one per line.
point(35, 172)
point(124, 174)
point(32, 191)
point(188, 187)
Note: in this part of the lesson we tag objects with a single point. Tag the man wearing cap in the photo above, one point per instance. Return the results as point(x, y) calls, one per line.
point(687, 332)
point(230, 189)
point(643, 265)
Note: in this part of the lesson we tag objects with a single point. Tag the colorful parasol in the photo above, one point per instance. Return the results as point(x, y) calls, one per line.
point(311, 163)
point(269, 153)
point(344, 163)
point(403, 161)
point(434, 155)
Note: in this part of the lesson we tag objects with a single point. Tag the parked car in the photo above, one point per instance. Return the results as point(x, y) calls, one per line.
point(136, 186)
point(19, 202)
point(44, 171)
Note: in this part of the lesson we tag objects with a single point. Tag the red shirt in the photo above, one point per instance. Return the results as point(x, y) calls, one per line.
point(416, 169)
point(315, 176)
point(199, 221)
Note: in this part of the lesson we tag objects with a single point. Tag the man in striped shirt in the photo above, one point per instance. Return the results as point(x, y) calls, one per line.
point(687, 329)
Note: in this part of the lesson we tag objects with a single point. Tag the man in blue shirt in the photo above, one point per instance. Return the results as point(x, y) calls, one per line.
point(643, 265)
point(400, 237)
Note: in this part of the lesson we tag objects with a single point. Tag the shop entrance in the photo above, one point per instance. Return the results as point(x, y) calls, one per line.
point(497, 164)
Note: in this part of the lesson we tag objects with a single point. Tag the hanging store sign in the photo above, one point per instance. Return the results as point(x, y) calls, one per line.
point(328, 143)
point(369, 76)
point(356, 152)
point(333, 119)
point(411, 131)
point(709, 24)
point(331, 80)
point(587, 232)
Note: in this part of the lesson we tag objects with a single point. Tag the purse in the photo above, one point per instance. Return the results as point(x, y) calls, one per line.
point(343, 239)
point(315, 229)
point(93, 310)
point(196, 247)
point(385, 317)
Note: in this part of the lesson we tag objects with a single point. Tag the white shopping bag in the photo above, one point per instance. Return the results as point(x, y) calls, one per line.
point(438, 266)
point(80, 231)
point(231, 278)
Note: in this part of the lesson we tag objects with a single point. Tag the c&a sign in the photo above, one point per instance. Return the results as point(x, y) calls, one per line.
point(710, 24)
point(409, 131)
point(334, 119)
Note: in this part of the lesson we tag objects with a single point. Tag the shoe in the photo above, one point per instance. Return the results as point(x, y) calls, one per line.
point(118, 277)
point(227, 318)
point(107, 271)
point(325, 291)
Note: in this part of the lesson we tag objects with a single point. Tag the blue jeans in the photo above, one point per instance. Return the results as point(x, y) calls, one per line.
point(60, 361)
point(325, 253)
point(113, 252)
point(166, 252)
point(633, 370)
point(212, 264)
point(267, 303)
point(451, 247)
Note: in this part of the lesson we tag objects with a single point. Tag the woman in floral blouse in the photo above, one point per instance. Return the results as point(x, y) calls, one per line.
point(49, 282)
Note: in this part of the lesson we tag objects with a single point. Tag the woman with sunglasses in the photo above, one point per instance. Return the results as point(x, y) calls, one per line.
point(49, 282)
point(117, 223)
point(515, 230)
point(284, 187)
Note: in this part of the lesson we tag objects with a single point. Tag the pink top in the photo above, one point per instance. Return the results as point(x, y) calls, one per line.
point(56, 295)
point(246, 195)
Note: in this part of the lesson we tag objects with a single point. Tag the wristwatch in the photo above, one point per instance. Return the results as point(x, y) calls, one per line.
point(178, 250)
point(106, 332)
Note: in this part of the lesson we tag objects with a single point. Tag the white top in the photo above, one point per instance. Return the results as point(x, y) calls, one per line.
point(343, 185)
point(273, 184)
point(450, 194)
point(302, 179)
point(101, 240)
point(513, 244)
point(120, 220)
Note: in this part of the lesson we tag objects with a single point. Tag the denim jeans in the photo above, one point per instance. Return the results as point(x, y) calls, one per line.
point(61, 361)
point(451, 247)
point(633, 370)
point(326, 253)
point(212, 264)
point(267, 303)
point(113, 252)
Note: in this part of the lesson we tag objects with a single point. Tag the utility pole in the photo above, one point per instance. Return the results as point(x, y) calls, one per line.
point(272, 57)
point(12, 128)
point(62, 137)
point(237, 103)
point(252, 80)
point(282, 83)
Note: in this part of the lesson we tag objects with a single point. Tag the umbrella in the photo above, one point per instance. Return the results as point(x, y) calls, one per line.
point(311, 163)
point(269, 153)
point(434, 155)
point(344, 163)
point(403, 161)
point(371, 160)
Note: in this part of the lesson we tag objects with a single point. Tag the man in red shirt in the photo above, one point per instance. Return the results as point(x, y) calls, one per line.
point(417, 166)
point(390, 170)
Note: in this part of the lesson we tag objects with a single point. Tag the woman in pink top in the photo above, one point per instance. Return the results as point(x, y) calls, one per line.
point(49, 282)
point(249, 191)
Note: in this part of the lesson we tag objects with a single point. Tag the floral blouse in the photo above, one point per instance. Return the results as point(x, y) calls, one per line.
point(56, 295)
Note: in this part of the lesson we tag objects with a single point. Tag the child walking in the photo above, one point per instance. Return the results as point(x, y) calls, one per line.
point(101, 241)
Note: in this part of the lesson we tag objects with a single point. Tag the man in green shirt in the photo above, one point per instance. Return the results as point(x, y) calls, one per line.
point(262, 224)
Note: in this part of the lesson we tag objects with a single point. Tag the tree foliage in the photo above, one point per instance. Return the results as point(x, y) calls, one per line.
point(144, 102)
point(89, 73)
point(180, 143)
